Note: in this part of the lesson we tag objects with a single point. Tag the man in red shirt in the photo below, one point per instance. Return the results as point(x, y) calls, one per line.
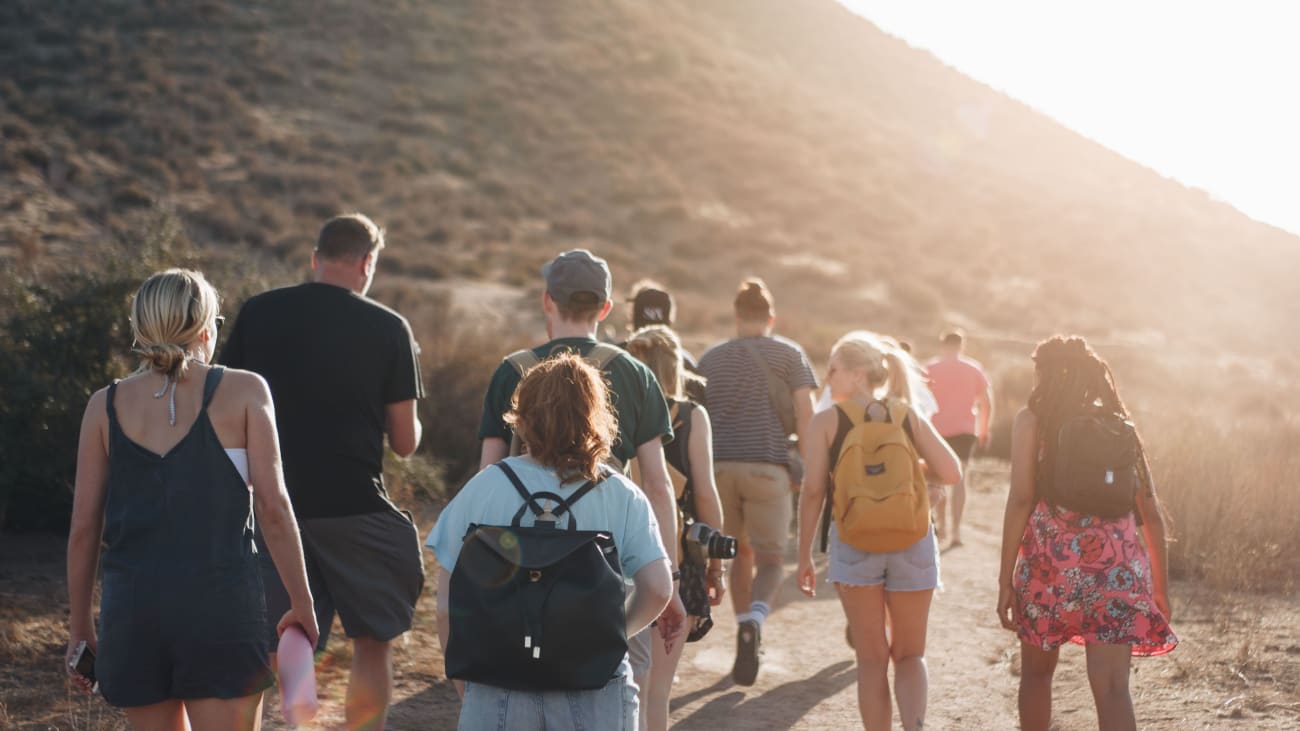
point(965, 398)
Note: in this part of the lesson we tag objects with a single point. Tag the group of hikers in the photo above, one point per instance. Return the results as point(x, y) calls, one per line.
point(623, 492)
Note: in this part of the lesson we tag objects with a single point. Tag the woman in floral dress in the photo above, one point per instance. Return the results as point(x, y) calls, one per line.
point(1072, 577)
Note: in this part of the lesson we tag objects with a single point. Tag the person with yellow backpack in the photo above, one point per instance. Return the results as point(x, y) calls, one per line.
point(876, 453)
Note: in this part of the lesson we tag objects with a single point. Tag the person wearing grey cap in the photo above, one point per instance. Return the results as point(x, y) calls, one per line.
point(576, 300)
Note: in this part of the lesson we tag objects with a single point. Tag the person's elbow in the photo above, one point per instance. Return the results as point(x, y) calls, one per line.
point(404, 443)
point(655, 585)
point(946, 471)
point(404, 428)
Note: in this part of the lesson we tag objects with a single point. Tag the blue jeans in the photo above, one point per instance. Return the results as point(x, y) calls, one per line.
point(612, 708)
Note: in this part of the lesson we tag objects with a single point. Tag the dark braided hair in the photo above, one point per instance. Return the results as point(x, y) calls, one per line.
point(1072, 380)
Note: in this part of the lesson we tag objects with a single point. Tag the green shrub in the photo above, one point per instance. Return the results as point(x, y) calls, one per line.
point(64, 336)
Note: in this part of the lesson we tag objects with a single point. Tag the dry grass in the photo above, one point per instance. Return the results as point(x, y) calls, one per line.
point(1231, 491)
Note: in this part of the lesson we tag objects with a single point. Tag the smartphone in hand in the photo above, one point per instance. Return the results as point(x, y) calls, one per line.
point(83, 664)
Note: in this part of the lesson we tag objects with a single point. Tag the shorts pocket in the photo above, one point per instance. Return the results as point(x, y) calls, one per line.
point(846, 555)
point(924, 553)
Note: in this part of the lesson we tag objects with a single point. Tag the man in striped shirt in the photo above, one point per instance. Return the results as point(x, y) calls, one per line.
point(749, 379)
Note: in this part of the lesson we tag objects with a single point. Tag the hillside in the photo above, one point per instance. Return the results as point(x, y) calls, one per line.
point(692, 141)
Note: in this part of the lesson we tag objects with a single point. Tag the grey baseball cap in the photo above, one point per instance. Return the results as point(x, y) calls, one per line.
point(577, 271)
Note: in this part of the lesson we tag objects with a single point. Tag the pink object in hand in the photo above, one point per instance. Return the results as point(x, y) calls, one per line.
point(297, 676)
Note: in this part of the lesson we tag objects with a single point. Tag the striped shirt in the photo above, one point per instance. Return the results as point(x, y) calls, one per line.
point(745, 426)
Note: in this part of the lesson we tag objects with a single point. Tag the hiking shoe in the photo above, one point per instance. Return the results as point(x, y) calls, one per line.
point(748, 637)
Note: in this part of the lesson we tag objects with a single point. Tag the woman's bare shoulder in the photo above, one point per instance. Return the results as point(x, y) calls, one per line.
point(246, 385)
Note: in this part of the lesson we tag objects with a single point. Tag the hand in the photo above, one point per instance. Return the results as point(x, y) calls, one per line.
point(807, 577)
point(1162, 603)
point(304, 618)
point(75, 639)
point(1007, 608)
point(716, 581)
point(672, 622)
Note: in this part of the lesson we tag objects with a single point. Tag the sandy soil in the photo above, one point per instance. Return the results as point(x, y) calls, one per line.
point(1238, 666)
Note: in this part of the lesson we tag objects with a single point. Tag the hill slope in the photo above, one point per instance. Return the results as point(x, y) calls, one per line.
point(693, 141)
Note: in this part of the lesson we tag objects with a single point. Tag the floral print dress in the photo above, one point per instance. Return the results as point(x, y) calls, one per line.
point(1085, 579)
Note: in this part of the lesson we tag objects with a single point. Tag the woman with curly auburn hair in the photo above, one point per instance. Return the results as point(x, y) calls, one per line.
point(1070, 573)
point(562, 412)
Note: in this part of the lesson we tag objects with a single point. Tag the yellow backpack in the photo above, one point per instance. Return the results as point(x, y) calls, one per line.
point(878, 496)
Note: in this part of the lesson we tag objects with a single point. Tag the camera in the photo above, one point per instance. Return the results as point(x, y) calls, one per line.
point(715, 544)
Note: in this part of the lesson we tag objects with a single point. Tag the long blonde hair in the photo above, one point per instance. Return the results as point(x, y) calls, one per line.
point(885, 362)
point(661, 350)
point(168, 313)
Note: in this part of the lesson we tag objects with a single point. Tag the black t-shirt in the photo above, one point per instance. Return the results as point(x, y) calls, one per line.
point(334, 360)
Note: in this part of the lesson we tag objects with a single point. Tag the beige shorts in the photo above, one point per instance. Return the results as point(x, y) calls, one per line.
point(756, 506)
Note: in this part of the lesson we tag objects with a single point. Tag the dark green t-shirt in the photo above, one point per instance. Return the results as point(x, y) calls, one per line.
point(638, 400)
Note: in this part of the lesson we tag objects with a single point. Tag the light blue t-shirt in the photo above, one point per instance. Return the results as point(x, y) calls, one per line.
point(617, 505)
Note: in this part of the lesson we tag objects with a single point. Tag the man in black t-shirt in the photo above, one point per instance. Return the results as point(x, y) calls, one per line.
point(344, 372)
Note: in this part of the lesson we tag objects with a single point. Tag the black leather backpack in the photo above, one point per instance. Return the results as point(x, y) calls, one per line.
point(539, 607)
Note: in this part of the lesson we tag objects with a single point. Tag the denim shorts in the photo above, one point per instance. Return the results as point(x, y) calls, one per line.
point(915, 568)
point(612, 708)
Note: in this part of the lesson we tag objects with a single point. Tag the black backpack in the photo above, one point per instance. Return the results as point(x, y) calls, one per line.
point(1096, 466)
point(537, 608)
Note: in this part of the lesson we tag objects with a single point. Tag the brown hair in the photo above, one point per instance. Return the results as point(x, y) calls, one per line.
point(952, 337)
point(754, 300)
point(660, 349)
point(349, 238)
point(582, 307)
point(562, 412)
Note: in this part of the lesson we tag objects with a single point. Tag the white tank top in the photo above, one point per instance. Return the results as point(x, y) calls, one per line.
point(239, 458)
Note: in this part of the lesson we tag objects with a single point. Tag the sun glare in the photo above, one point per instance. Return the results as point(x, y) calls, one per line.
point(1200, 91)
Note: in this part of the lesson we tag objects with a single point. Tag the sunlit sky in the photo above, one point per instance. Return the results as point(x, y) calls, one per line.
point(1207, 92)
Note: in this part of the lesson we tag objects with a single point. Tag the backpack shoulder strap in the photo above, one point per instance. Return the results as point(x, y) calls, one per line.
point(581, 492)
point(602, 355)
point(523, 360)
point(849, 415)
point(757, 356)
point(899, 412)
point(519, 488)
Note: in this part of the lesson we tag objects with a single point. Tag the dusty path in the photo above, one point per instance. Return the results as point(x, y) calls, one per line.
point(807, 679)
point(1238, 666)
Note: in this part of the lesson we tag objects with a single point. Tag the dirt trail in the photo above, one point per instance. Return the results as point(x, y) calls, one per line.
point(1237, 667)
point(807, 680)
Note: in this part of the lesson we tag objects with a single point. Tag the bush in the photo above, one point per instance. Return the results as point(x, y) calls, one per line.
point(65, 336)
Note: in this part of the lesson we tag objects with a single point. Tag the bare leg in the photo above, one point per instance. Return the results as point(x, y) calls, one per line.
point(909, 614)
point(1037, 667)
point(939, 505)
point(165, 716)
point(221, 714)
point(958, 506)
point(742, 578)
point(864, 606)
point(370, 686)
point(1108, 671)
point(662, 669)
